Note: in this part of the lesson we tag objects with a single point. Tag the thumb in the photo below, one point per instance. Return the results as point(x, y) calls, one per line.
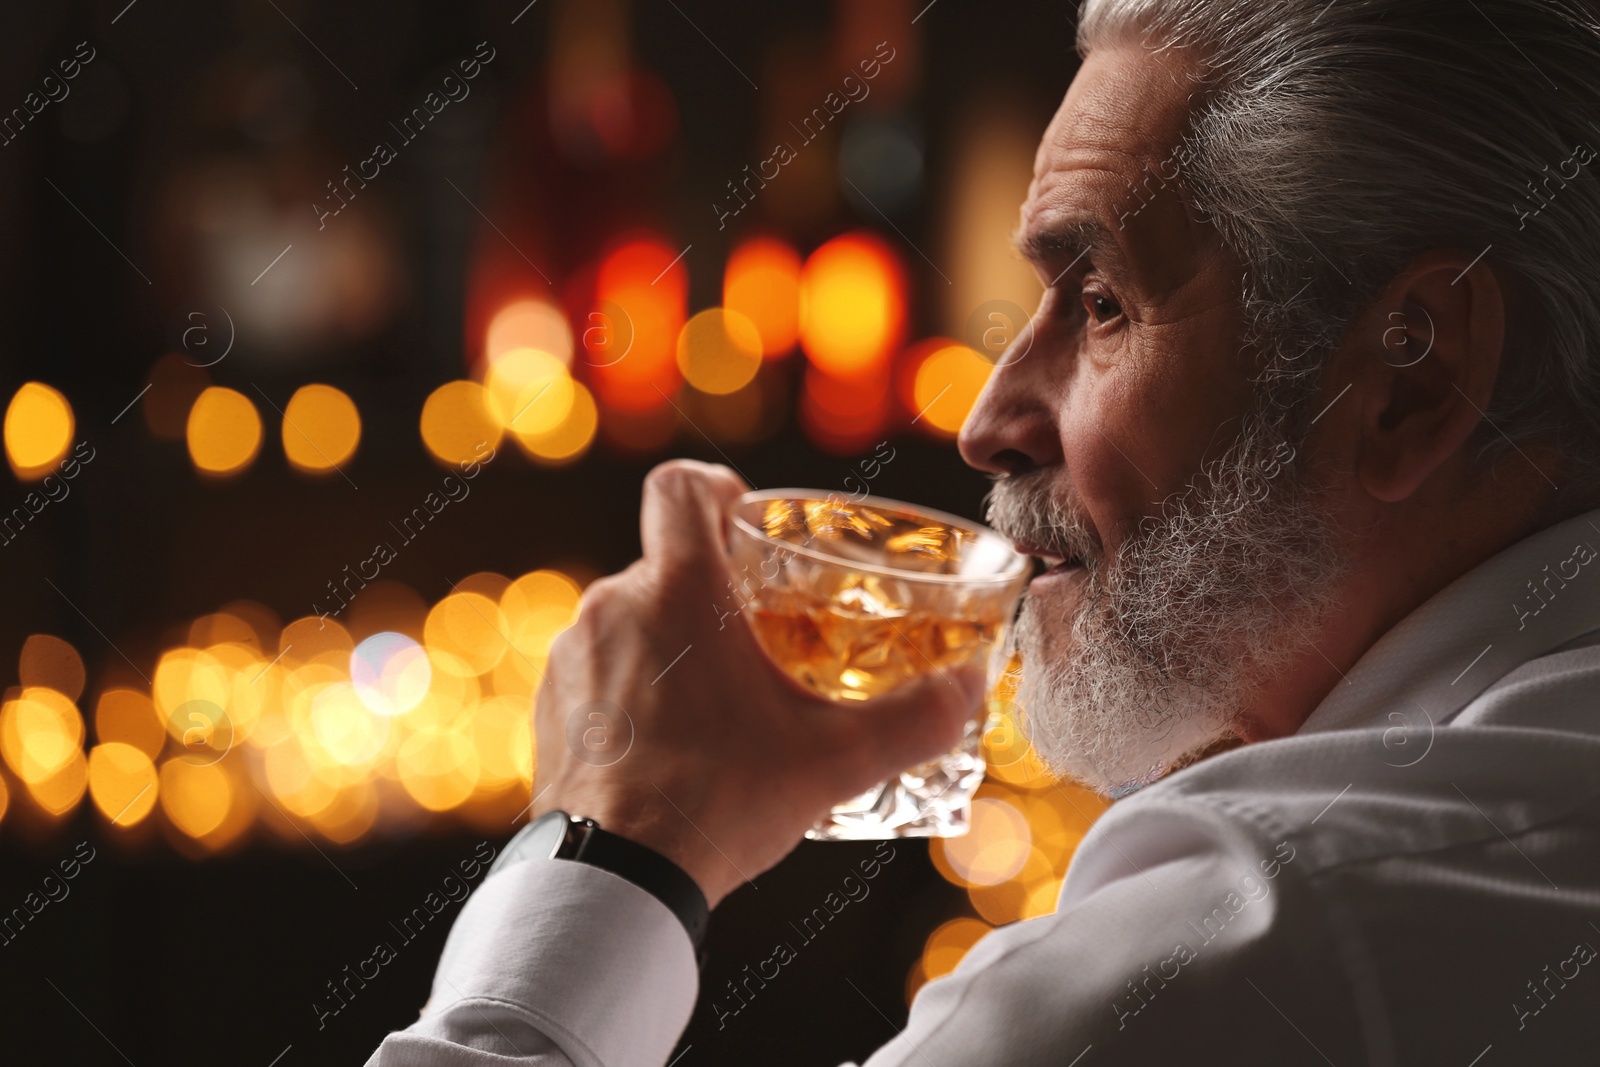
point(919, 720)
point(681, 516)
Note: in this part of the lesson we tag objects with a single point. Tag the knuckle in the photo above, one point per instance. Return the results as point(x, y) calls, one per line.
point(673, 475)
point(679, 475)
point(599, 598)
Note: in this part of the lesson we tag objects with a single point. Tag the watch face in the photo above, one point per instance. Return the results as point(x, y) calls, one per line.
point(547, 834)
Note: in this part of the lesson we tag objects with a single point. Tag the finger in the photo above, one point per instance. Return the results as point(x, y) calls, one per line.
point(681, 521)
point(915, 722)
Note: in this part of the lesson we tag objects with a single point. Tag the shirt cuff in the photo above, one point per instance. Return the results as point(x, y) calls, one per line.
point(598, 965)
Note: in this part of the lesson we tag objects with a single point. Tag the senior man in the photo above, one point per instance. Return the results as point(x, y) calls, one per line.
point(1307, 425)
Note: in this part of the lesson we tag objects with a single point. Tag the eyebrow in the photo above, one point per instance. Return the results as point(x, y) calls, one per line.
point(1051, 244)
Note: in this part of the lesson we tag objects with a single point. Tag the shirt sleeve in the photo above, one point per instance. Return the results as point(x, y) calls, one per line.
point(554, 963)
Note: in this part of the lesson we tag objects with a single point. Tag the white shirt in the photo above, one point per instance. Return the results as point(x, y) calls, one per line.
point(1413, 878)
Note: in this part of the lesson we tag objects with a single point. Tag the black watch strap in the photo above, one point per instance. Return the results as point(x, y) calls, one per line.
point(558, 835)
point(652, 872)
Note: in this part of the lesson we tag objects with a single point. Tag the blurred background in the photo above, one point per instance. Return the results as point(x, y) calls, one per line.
point(337, 341)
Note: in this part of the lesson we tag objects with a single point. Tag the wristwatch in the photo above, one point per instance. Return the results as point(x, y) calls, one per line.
point(557, 835)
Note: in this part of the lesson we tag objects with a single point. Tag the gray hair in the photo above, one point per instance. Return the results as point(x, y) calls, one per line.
point(1336, 141)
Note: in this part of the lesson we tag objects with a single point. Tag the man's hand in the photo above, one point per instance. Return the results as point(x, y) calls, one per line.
point(730, 760)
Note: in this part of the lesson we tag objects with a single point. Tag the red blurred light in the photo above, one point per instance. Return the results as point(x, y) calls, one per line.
point(641, 296)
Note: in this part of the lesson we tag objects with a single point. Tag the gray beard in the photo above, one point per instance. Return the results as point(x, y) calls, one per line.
point(1195, 609)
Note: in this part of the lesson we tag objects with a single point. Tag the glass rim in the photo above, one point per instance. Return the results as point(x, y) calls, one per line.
point(1018, 568)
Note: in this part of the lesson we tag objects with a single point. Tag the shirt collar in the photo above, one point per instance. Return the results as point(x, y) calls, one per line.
point(1528, 600)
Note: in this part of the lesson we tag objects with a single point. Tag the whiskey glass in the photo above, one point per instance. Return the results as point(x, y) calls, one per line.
point(855, 596)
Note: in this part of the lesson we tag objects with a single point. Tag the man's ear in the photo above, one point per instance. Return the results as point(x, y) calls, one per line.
point(1425, 357)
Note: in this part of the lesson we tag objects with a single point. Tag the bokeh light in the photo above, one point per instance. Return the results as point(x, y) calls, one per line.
point(947, 385)
point(196, 797)
point(530, 391)
point(129, 717)
point(321, 428)
point(122, 782)
point(224, 431)
point(852, 304)
point(719, 351)
point(60, 792)
point(38, 430)
point(994, 848)
point(50, 662)
point(845, 415)
point(571, 437)
point(40, 733)
point(762, 282)
point(471, 628)
point(391, 673)
point(529, 323)
point(641, 293)
point(460, 423)
point(438, 767)
point(950, 942)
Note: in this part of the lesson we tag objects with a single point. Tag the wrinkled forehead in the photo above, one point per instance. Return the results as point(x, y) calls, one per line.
point(1128, 103)
point(1107, 165)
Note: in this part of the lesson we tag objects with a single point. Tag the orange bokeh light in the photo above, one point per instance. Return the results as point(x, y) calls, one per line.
point(845, 414)
point(762, 282)
point(946, 386)
point(641, 298)
point(852, 304)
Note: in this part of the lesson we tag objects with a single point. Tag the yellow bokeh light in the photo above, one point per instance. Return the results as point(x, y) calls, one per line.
point(530, 392)
point(129, 717)
point(344, 727)
point(947, 385)
point(995, 847)
point(537, 607)
point(1041, 898)
point(529, 324)
point(459, 422)
point(949, 943)
point(349, 815)
point(221, 627)
point(224, 431)
point(321, 428)
point(719, 351)
point(292, 776)
point(438, 767)
point(470, 627)
point(196, 797)
point(453, 732)
point(191, 690)
point(391, 673)
point(572, 437)
point(762, 282)
point(1004, 901)
point(51, 662)
point(60, 792)
point(501, 730)
point(38, 430)
point(40, 733)
point(309, 636)
point(852, 305)
point(122, 782)
point(247, 691)
point(5, 798)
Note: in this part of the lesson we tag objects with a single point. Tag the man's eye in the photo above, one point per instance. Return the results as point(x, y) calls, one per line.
point(1101, 308)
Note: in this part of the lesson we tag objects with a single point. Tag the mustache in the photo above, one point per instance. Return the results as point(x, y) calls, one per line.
point(1024, 508)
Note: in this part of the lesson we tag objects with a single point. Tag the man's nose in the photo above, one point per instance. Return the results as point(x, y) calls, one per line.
point(1012, 428)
